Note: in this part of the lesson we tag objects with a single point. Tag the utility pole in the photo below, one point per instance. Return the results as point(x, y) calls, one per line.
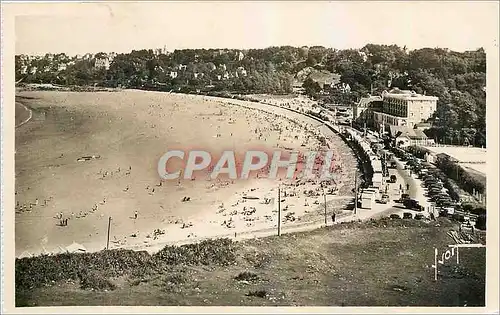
point(324, 195)
point(356, 192)
point(109, 227)
point(279, 212)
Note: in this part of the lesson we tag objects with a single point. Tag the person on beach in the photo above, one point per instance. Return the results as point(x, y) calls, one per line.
point(135, 215)
point(407, 186)
point(333, 217)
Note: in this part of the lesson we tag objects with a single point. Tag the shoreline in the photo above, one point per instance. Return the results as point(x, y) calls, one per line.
point(30, 114)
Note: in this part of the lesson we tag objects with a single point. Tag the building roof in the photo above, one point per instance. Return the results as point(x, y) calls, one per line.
point(75, 248)
point(423, 125)
point(406, 94)
point(414, 134)
point(365, 101)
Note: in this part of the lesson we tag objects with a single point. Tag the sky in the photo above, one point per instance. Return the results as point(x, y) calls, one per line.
point(77, 28)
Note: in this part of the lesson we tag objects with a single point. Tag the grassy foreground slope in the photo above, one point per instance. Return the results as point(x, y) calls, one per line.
point(377, 263)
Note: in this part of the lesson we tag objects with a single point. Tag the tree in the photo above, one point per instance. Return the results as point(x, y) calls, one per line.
point(311, 87)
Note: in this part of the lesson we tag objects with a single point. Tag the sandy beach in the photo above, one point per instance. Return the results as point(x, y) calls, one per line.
point(124, 134)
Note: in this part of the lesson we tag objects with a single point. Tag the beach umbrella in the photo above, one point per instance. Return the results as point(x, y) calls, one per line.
point(76, 248)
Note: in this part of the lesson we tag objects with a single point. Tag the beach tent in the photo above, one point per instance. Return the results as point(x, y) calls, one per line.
point(59, 250)
point(76, 248)
point(25, 254)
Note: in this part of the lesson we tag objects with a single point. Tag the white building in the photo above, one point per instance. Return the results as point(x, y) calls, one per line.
point(102, 63)
point(404, 108)
point(345, 88)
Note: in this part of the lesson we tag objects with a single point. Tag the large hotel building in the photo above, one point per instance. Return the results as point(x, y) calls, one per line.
point(403, 108)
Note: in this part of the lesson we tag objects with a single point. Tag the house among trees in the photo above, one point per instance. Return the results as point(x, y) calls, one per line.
point(345, 88)
point(102, 63)
point(456, 80)
point(239, 56)
point(241, 72)
point(406, 136)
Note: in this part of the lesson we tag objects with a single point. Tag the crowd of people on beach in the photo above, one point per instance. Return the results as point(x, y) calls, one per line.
point(272, 130)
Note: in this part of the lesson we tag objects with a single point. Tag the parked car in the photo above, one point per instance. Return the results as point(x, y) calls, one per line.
point(435, 186)
point(384, 199)
point(419, 216)
point(448, 210)
point(404, 197)
point(445, 203)
point(394, 216)
point(407, 215)
point(412, 204)
point(434, 191)
point(441, 196)
point(422, 172)
point(431, 181)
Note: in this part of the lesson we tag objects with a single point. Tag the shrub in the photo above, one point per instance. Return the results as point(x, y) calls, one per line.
point(94, 280)
point(258, 293)
point(481, 222)
point(479, 210)
point(246, 276)
point(34, 272)
point(217, 252)
point(175, 278)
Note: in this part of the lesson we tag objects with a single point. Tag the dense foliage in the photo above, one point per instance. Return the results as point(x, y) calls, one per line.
point(457, 78)
point(92, 270)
